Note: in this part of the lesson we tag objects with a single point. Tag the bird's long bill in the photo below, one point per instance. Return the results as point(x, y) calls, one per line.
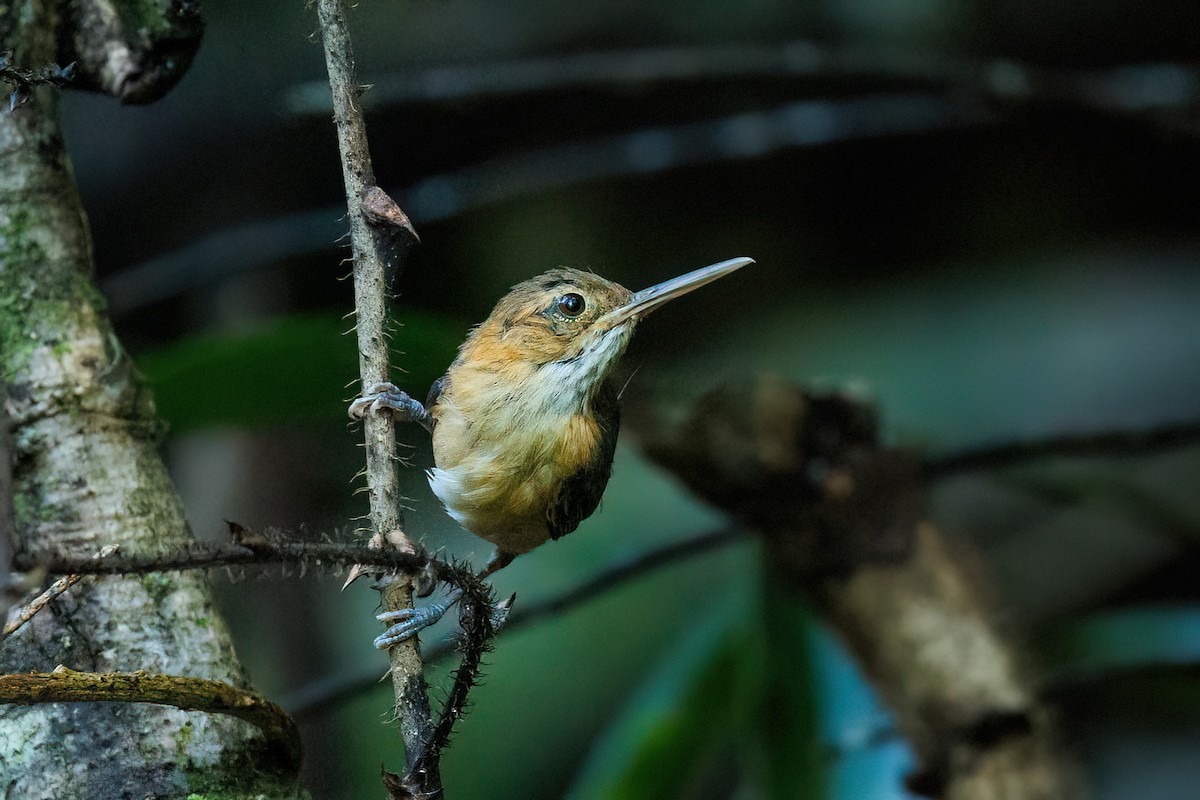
point(647, 300)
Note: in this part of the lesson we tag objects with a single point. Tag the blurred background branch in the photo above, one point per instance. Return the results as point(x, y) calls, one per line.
point(968, 94)
point(842, 521)
point(438, 198)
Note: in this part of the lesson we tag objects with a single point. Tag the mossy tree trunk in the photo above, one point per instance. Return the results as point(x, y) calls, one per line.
point(86, 469)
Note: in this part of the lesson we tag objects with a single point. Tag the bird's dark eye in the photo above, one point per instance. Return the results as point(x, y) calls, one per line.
point(572, 304)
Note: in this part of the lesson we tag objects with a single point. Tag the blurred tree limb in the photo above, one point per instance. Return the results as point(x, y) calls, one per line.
point(807, 123)
point(85, 468)
point(944, 92)
point(842, 519)
point(1095, 444)
point(1160, 92)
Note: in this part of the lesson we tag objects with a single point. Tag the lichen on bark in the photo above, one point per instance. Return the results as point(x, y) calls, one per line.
point(87, 473)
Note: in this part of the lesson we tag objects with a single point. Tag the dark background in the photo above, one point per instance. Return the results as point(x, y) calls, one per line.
point(980, 214)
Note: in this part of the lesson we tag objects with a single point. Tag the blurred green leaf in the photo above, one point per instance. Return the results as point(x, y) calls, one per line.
point(669, 731)
point(289, 370)
point(788, 724)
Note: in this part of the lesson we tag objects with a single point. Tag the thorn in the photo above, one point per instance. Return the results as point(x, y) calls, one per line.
point(356, 571)
point(382, 211)
point(244, 537)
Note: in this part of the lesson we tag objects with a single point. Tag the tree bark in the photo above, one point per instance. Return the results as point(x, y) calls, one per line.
point(87, 473)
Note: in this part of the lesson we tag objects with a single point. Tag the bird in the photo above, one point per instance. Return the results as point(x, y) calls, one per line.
point(524, 423)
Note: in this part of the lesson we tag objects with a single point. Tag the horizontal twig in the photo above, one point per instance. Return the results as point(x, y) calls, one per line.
point(324, 693)
point(207, 556)
point(1098, 444)
point(190, 694)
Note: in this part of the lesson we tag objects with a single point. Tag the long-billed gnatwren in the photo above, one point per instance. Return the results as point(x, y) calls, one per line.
point(525, 421)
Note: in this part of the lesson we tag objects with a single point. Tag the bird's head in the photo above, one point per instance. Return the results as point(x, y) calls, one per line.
point(577, 322)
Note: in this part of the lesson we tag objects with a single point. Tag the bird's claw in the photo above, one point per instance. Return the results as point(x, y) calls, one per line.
point(408, 622)
point(500, 612)
point(376, 398)
point(383, 396)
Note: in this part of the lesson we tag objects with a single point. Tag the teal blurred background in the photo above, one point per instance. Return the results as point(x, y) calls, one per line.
point(982, 215)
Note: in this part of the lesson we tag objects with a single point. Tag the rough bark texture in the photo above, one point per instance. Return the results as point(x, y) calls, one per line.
point(842, 519)
point(86, 473)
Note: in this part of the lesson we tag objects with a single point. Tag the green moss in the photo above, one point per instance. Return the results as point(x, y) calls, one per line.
point(158, 586)
point(38, 300)
point(242, 773)
point(18, 251)
point(32, 504)
point(183, 738)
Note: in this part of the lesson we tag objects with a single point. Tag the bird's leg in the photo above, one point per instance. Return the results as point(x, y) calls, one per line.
point(498, 561)
point(386, 395)
point(408, 622)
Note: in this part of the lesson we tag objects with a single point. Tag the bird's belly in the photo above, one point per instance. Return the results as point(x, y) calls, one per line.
point(495, 501)
point(499, 466)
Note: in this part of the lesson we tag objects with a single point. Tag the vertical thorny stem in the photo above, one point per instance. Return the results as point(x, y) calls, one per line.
point(412, 701)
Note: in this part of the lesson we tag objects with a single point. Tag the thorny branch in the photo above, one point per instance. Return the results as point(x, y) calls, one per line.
point(326, 692)
point(248, 548)
point(475, 618)
point(23, 80)
point(378, 231)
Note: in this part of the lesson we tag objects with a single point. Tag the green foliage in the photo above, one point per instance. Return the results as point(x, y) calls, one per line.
point(786, 714)
point(728, 705)
point(286, 371)
point(682, 715)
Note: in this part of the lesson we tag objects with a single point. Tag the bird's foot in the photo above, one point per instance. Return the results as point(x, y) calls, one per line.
point(386, 396)
point(408, 622)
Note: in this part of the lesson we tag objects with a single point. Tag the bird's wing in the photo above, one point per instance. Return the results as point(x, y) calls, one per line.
point(579, 494)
